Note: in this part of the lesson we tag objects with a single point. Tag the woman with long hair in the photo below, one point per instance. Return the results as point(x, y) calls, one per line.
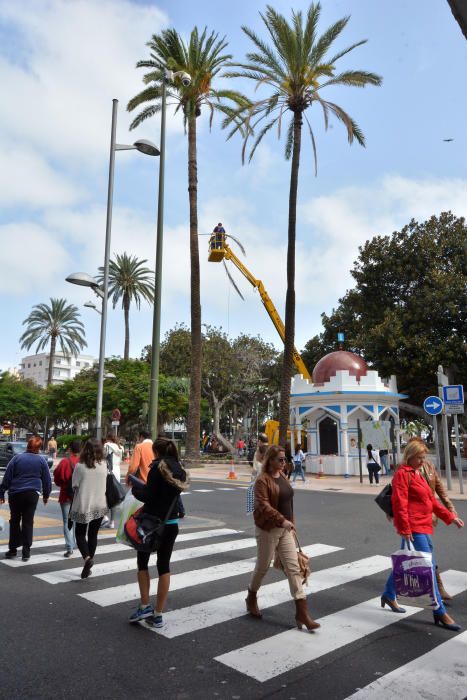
point(274, 519)
point(27, 476)
point(413, 504)
point(113, 452)
point(160, 495)
point(89, 503)
point(373, 464)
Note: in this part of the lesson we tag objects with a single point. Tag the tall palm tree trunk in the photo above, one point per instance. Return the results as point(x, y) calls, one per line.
point(53, 347)
point(126, 313)
point(290, 297)
point(194, 409)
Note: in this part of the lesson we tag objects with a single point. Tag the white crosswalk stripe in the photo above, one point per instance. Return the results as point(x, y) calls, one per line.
point(112, 548)
point(213, 612)
point(114, 567)
point(440, 672)
point(196, 577)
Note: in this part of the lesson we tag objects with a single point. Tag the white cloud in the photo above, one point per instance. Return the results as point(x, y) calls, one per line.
point(27, 179)
point(76, 56)
point(31, 257)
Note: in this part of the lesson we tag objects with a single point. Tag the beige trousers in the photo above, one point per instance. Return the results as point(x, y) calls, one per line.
point(267, 542)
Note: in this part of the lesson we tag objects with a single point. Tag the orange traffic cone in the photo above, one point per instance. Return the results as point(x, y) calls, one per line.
point(320, 474)
point(232, 474)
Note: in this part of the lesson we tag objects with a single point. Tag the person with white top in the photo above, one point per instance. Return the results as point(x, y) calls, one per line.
point(298, 460)
point(113, 453)
point(373, 464)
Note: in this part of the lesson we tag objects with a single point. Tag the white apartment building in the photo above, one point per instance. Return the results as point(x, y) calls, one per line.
point(36, 367)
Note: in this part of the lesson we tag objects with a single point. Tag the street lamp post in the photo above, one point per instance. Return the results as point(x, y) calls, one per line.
point(168, 77)
point(83, 279)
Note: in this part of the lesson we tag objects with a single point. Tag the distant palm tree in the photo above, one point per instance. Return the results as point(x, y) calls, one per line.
point(57, 322)
point(129, 281)
point(294, 68)
point(202, 59)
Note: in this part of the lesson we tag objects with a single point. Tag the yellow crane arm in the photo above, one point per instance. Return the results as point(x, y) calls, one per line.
point(268, 305)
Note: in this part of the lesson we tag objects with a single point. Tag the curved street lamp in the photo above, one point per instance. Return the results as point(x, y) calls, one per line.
point(83, 279)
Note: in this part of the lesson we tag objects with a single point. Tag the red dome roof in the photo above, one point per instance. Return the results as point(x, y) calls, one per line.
point(341, 359)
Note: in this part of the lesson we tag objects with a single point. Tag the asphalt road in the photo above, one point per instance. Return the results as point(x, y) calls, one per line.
point(57, 644)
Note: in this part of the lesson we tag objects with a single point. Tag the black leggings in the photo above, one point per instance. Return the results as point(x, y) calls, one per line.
point(163, 554)
point(87, 545)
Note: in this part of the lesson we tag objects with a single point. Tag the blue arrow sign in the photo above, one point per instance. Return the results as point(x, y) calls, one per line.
point(432, 405)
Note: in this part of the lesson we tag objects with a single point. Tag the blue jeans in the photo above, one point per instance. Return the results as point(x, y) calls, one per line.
point(422, 543)
point(385, 462)
point(70, 543)
point(298, 469)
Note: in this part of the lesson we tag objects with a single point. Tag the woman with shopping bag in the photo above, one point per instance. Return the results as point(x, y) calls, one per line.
point(413, 504)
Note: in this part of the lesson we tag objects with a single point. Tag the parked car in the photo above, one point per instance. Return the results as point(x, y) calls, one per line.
point(9, 449)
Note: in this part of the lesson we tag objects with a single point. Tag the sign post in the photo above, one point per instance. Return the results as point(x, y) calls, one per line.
point(442, 382)
point(453, 396)
point(434, 406)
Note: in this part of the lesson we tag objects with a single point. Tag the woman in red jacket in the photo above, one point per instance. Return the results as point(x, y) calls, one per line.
point(413, 504)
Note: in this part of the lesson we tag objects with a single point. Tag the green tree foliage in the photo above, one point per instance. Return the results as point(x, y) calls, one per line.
point(294, 68)
point(58, 322)
point(22, 402)
point(131, 282)
point(407, 312)
point(202, 58)
point(75, 400)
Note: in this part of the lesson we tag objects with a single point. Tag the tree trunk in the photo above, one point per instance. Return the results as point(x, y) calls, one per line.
point(194, 409)
point(126, 312)
point(290, 297)
point(53, 347)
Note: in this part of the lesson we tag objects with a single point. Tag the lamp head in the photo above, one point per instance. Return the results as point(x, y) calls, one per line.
point(83, 280)
point(146, 147)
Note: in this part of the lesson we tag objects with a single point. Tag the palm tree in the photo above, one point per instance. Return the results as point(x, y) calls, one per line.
point(202, 58)
point(57, 322)
point(295, 69)
point(129, 281)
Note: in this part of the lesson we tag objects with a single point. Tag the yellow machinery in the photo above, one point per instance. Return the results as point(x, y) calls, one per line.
point(220, 250)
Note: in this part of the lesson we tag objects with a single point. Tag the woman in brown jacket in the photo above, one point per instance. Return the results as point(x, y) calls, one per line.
point(273, 516)
point(434, 482)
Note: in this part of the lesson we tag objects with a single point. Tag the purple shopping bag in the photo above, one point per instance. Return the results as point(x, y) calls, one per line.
point(414, 577)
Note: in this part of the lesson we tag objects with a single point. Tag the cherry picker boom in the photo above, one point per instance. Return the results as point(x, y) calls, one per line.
point(220, 250)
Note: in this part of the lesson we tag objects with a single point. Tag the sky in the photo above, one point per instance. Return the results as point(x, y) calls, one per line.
point(63, 61)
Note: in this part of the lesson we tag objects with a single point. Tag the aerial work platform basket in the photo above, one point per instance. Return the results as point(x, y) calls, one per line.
point(216, 247)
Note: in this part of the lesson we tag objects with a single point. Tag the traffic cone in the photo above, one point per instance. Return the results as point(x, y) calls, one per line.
point(232, 474)
point(320, 474)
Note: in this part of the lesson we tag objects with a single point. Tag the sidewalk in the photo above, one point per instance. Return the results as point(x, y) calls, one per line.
point(218, 472)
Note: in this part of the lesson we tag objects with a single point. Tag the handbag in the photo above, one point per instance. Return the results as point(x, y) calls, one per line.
point(145, 531)
point(414, 576)
point(303, 561)
point(250, 498)
point(114, 491)
point(384, 500)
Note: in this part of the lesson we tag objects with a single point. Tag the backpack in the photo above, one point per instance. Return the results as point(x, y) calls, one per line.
point(109, 457)
point(69, 487)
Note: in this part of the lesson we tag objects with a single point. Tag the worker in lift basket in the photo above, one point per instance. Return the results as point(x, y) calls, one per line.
point(217, 240)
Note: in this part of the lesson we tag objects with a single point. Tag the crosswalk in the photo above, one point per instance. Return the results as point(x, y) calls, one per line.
point(203, 557)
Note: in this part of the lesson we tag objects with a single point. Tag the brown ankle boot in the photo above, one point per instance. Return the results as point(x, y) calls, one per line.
point(252, 604)
point(442, 591)
point(302, 616)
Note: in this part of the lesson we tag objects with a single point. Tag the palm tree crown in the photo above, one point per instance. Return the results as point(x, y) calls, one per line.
point(57, 322)
point(129, 281)
point(295, 69)
point(202, 58)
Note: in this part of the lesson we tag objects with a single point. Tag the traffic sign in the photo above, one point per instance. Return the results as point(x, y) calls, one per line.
point(432, 405)
point(453, 394)
point(115, 423)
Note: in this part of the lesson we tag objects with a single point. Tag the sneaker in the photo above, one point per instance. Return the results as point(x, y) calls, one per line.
point(68, 553)
point(156, 621)
point(11, 554)
point(26, 557)
point(142, 613)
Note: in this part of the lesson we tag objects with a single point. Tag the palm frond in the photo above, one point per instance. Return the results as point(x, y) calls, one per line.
point(240, 245)
point(313, 143)
point(232, 281)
